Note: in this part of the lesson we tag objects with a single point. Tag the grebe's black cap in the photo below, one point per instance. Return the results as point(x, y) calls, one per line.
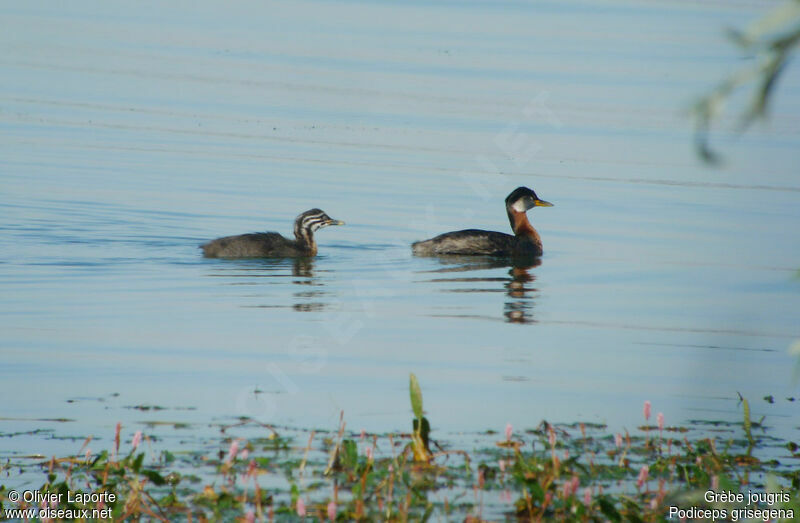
point(523, 199)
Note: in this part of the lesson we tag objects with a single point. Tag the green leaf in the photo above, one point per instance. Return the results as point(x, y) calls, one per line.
point(226, 500)
point(747, 422)
point(534, 489)
point(428, 512)
point(168, 500)
point(608, 509)
point(349, 454)
point(423, 430)
point(154, 476)
point(100, 460)
point(416, 396)
point(137, 463)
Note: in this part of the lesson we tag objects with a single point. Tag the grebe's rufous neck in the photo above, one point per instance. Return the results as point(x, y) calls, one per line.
point(525, 242)
point(272, 244)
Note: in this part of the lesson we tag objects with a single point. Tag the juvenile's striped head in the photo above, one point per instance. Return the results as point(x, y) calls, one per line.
point(310, 221)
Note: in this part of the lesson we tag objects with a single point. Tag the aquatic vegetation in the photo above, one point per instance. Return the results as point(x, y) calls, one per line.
point(419, 437)
point(578, 472)
point(769, 44)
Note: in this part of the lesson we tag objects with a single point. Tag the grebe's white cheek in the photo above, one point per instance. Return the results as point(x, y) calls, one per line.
point(520, 206)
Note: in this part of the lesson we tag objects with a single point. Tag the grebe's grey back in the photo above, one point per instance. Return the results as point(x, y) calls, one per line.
point(272, 244)
point(525, 242)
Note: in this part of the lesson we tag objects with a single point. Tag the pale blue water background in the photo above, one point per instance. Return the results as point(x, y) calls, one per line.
point(129, 135)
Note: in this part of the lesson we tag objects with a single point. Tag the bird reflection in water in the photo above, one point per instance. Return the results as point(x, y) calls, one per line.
point(519, 307)
point(303, 268)
point(270, 277)
point(518, 285)
point(307, 300)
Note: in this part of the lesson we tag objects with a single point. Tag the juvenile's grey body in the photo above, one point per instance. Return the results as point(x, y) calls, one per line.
point(254, 245)
point(272, 244)
point(525, 242)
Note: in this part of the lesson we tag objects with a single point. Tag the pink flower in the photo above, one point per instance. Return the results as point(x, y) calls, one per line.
point(244, 454)
point(646, 410)
point(618, 440)
point(250, 517)
point(368, 452)
point(116, 437)
point(642, 479)
point(137, 438)
point(232, 451)
point(587, 496)
point(332, 511)
point(653, 503)
point(301, 507)
point(509, 431)
point(502, 464)
point(571, 486)
point(660, 419)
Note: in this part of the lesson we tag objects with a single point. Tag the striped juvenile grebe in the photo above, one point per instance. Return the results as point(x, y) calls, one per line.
point(525, 243)
point(272, 244)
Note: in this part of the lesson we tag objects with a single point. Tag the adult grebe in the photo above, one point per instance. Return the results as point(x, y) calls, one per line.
point(525, 242)
point(272, 244)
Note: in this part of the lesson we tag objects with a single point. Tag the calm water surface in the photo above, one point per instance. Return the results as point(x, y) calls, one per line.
point(131, 136)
